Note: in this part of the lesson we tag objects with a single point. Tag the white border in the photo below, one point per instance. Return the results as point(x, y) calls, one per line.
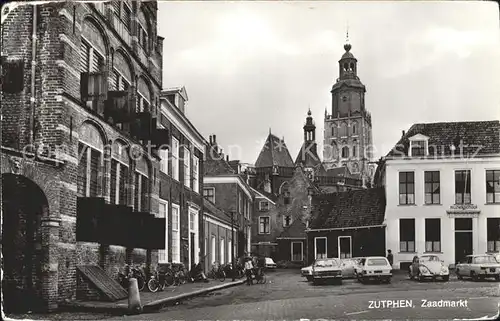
point(316, 247)
point(227, 180)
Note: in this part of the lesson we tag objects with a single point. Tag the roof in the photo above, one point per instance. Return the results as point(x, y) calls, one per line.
point(472, 134)
point(217, 212)
point(273, 198)
point(274, 152)
point(216, 165)
point(342, 171)
point(308, 155)
point(296, 230)
point(181, 90)
point(350, 83)
point(356, 208)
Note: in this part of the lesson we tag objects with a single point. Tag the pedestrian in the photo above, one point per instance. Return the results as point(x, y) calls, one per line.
point(390, 257)
point(248, 270)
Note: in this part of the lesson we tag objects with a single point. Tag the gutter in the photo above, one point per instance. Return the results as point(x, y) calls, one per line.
point(33, 71)
point(344, 228)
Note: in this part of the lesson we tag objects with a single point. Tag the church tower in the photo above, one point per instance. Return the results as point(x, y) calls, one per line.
point(348, 129)
point(308, 153)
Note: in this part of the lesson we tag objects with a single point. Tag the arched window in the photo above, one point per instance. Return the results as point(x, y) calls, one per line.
point(120, 175)
point(143, 102)
point(123, 10)
point(90, 161)
point(351, 66)
point(345, 152)
point(354, 127)
point(334, 130)
point(343, 129)
point(141, 197)
point(122, 73)
point(285, 191)
point(355, 148)
point(92, 48)
point(346, 66)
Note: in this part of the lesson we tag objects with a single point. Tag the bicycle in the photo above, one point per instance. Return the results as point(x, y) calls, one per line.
point(160, 280)
point(217, 272)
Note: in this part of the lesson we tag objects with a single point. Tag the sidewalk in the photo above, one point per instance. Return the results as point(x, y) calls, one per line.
point(151, 301)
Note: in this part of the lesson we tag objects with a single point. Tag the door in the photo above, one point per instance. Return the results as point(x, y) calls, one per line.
point(463, 238)
point(192, 249)
point(320, 247)
point(345, 247)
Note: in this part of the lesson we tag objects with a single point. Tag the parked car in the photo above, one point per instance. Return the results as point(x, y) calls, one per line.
point(349, 267)
point(374, 268)
point(269, 263)
point(428, 267)
point(326, 269)
point(307, 272)
point(478, 267)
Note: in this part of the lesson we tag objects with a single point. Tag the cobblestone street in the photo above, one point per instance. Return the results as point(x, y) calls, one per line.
point(288, 296)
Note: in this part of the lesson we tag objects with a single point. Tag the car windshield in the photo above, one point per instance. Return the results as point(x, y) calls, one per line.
point(429, 258)
point(376, 262)
point(326, 263)
point(269, 260)
point(484, 259)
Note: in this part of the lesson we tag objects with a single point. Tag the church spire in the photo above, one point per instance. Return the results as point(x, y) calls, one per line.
point(309, 128)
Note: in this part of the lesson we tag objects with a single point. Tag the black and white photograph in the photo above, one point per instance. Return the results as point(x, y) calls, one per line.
point(250, 160)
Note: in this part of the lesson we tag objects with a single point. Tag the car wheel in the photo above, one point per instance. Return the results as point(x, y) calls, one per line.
point(315, 282)
point(388, 280)
point(459, 276)
point(497, 277)
point(309, 278)
point(446, 278)
point(421, 278)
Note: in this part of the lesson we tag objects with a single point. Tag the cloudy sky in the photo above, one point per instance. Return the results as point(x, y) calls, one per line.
point(251, 66)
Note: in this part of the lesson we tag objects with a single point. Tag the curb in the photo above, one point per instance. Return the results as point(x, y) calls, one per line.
point(148, 307)
point(158, 304)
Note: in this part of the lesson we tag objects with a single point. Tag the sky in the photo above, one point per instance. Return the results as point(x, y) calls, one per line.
point(252, 66)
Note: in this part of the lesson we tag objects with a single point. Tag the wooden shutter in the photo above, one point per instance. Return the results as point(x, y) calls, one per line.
point(97, 62)
point(123, 184)
point(126, 16)
point(115, 81)
point(144, 193)
point(137, 192)
point(84, 56)
point(82, 170)
point(116, 7)
point(113, 182)
point(95, 158)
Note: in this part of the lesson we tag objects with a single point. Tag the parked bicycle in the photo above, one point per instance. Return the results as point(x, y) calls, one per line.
point(259, 276)
point(160, 279)
point(132, 272)
point(237, 272)
point(217, 272)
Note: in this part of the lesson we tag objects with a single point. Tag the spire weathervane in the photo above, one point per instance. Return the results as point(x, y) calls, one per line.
point(347, 32)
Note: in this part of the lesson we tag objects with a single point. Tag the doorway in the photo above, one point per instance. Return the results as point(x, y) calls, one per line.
point(345, 247)
point(192, 249)
point(463, 238)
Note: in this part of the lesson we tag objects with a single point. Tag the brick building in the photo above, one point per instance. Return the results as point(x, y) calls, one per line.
point(226, 189)
point(180, 180)
point(80, 89)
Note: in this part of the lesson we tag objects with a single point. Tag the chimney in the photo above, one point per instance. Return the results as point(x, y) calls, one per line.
point(403, 135)
point(214, 139)
point(210, 139)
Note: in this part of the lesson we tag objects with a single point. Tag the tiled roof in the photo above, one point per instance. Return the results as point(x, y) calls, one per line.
point(296, 229)
point(274, 152)
point(215, 211)
point(355, 208)
point(308, 156)
point(482, 137)
point(216, 165)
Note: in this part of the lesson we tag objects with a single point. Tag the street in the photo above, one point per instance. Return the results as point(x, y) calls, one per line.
point(287, 296)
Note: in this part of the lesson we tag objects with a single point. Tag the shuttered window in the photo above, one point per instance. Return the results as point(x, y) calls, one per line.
point(95, 158)
point(84, 56)
point(123, 184)
point(126, 16)
point(97, 62)
point(82, 170)
point(116, 7)
point(114, 165)
point(114, 80)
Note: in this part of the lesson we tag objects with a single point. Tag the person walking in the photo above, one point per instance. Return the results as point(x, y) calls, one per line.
point(248, 270)
point(390, 257)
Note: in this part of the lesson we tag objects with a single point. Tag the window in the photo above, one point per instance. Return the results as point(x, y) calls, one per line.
point(230, 251)
point(297, 251)
point(214, 259)
point(142, 104)
point(175, 158)
point(354, 128)
point(493, 237)
point(119, 82)
point(462, 187)
point(209, 194)
point(285, 190)
point(163, 213)
point(264, 225)
point(119, 182)
point(355, 148)
point(493, 186)
point(417, 148)
point(205, 245)
point(345, 152)
point(406, 188)
point(287, 220)
point(176, 237)
point(343, 130)
point(432, 235)
point(141, 192)
point(407, 235)
point(222, 252)
point(320, 247)
point(89, 168)
point(432, 195)
point(126, 16)
point(247, 214)
point(263, 206)
point(90, 59)
point(240, 203)
point(142, 37)
point(192, 217)
point(334, 130)
point(196, 164)
point(163, 153)
point(187, 167)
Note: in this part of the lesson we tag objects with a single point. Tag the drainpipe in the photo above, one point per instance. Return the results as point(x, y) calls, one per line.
point(33, 69)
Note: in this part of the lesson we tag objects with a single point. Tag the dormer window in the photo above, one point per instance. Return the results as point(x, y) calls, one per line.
point(419, 146)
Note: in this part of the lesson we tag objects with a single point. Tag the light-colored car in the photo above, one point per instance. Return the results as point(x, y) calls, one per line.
point(428, 267)
point(269, 263)
point(478, 267)
point(374, 268)
point(307, 272)
point(349, 267)
point(326, 269)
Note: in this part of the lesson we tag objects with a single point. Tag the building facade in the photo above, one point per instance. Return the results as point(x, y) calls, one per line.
point(442, 182)
point(80, 87)
point(348, 128)
point(180, 181)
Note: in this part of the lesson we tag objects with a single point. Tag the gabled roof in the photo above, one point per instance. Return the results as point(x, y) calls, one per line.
point(181, 90)
point(308, 155)
point(477, 137)
point(274, 152)
point(296, 230)
point(217, 165)
point(356, 208)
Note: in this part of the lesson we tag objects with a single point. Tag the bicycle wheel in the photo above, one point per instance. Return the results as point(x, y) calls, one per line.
point(222, 276)
point(140, 283)
point(153, 285)
point(169, 280)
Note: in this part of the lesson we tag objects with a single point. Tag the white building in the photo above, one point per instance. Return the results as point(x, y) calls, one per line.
point(443, 191)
